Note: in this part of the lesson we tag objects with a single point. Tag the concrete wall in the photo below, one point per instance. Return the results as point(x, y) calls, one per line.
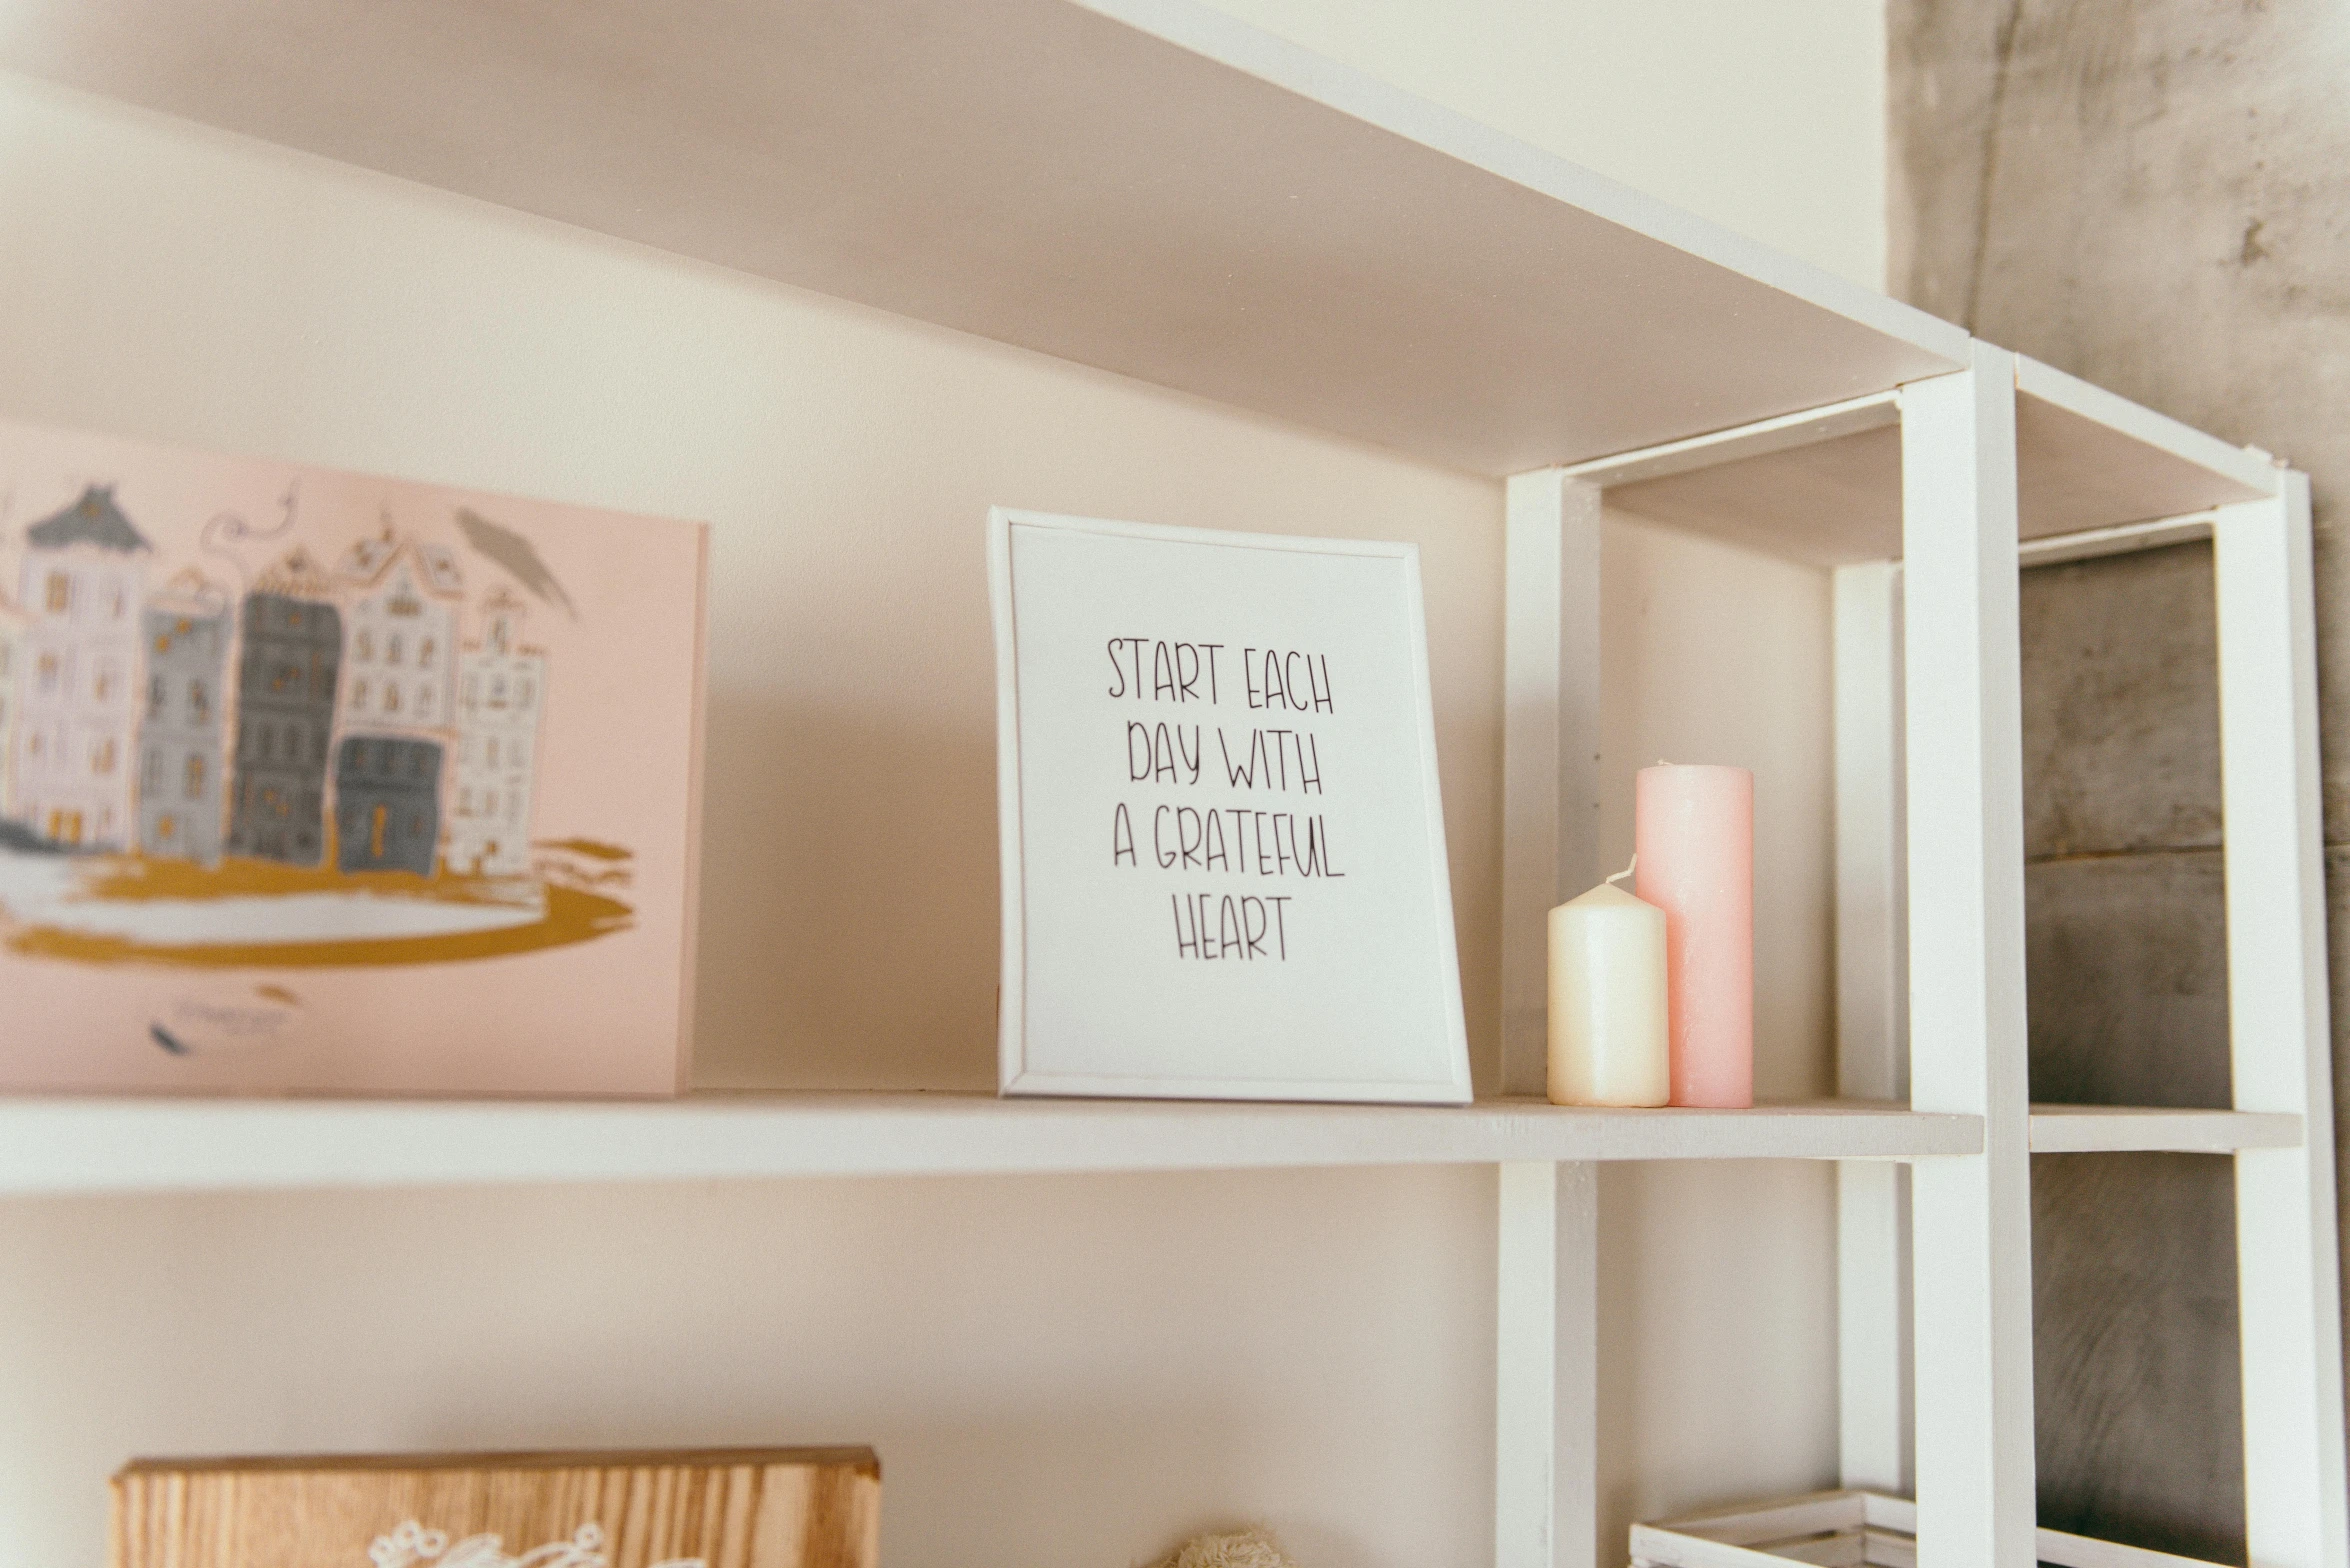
point(2155, 196)
point(1059, 1373)
point(2133, 1268)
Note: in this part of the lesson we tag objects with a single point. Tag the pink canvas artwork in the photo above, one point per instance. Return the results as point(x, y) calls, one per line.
point(312, 782)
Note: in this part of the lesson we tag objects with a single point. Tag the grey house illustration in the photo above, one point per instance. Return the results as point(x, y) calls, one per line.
point(180, 784)
point(286, 680)
point(78, 706)
point(388, 804)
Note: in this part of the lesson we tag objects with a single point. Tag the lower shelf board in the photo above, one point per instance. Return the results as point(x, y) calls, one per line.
point(2104, 1129)
point(81, 1145)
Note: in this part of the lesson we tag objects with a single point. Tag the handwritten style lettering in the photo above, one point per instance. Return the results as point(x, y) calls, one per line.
point(1212, 927)
point(1149, 670)
point(1297, 681)
point(1279, 757)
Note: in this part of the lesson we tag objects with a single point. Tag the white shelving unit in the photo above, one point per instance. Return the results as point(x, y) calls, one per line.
point(1151, 188)
point(1961, 476)
point(1924, 501)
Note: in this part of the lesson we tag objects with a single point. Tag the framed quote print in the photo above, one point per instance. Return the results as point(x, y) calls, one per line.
point(318, 782)
point(1223, 846)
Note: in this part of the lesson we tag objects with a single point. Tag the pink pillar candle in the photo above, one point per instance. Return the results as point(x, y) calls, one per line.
point(1694, 833)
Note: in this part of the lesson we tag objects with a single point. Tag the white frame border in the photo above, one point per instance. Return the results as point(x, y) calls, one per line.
point(1014, 1076)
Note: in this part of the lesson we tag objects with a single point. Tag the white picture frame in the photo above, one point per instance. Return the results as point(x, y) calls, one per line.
point(1315, 992)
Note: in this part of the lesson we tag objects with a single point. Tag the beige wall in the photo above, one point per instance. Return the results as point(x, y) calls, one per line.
point(1058, 1372)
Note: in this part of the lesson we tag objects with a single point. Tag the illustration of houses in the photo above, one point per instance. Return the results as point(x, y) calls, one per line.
point(398, 709)
point(501, 688)
point(287, 676)
point(187, 637)
point(12, 636)
point(84, 581)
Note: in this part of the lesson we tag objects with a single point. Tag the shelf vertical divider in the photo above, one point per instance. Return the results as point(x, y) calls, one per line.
point(1546, 1448)
point(1546, 1479)
point(1972, 1265)
point(1872, 1029)
point(2289, 1309)
point(1550, 745)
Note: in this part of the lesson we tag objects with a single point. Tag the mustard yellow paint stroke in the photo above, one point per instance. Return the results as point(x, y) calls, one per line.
point(134, 879)
point(572, 917)
point(586, 846)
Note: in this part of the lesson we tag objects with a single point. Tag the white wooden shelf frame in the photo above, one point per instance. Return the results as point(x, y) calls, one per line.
point(1935, 1342)
point(1080, 142)
point(2287, 1270)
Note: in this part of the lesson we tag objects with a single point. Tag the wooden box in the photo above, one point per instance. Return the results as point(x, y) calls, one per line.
point(1844, 1530)
point(725, 1508)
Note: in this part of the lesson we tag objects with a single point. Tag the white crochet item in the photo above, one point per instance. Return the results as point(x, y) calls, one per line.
point(1249, 1549)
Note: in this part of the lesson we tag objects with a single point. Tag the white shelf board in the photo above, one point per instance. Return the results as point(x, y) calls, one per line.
point(2109, 1129)
point(81, 1145)
point(2085, 460)
point(1147, 186)
point(2078, 416)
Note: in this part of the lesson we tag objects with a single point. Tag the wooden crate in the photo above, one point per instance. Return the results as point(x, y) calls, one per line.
point(724, 1508)
point(1844, 1530)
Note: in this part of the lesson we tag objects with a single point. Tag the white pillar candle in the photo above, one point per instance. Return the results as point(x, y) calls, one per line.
point(1610, 1030)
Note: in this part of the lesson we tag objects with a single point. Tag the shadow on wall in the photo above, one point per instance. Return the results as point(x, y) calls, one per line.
point(849, 914)
point(848, 902)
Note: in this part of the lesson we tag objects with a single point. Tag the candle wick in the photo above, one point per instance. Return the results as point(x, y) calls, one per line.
point(1627, 871)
